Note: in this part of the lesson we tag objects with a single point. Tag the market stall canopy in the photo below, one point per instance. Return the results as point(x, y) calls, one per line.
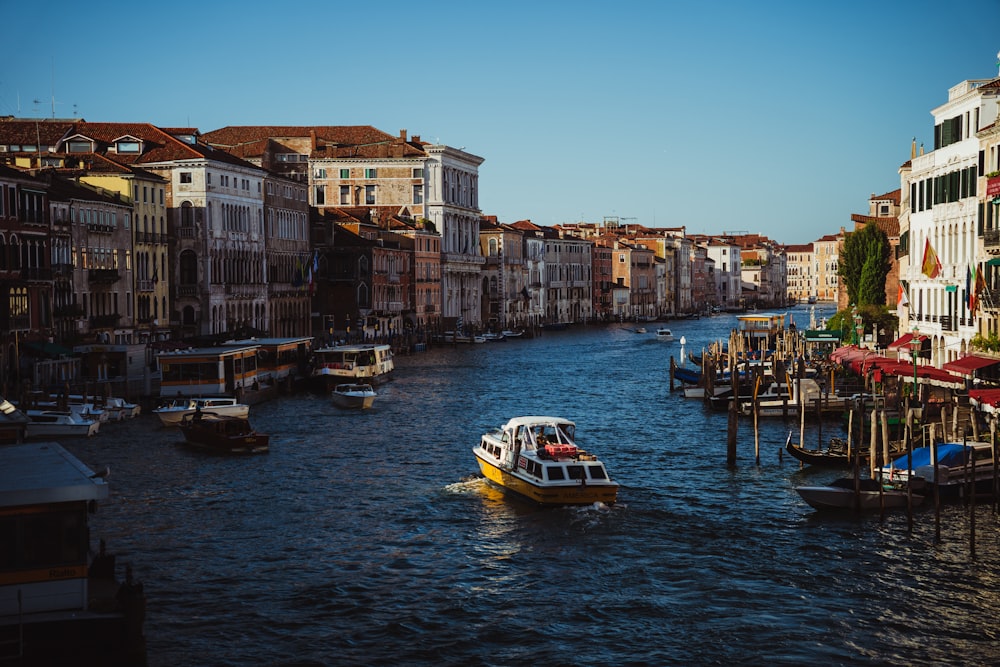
point(987, 399)
point(904, 341)
point(969, 364)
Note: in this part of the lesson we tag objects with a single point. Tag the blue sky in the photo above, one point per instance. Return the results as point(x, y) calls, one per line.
point(779, 118)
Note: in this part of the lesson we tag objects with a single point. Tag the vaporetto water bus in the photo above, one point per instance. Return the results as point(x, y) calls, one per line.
point(365, 364)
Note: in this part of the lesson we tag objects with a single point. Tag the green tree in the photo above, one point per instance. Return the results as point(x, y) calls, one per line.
point(863, 265)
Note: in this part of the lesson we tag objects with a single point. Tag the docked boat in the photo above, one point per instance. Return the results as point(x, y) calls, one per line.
point(123, 408)
point(492, 337)
point(353, 396)
point(536, 458)
point(61, 601)
point(59, 424)
point(846, 493)
point(369, 363)
point(779, 400)
point(511, 333)
point(223, 434)
point(665, 335)
point(173, 411)
point(835, 455)
point(960, 467)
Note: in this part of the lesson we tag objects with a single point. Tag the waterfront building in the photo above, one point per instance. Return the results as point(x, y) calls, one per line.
point(292, 267)
point(826, 265)
point(675, 247)
point(728, 276)
point(368, 276)
point(100, 231)
point(985, 287)
point(945, 214)
point(703, 285)
point(149, 239)
point(25, 268)
point(602, 256)
point(764, 268)
point(801, 283)
point(425, 281)
point(568, 265)
point(633, 268)
point(360, 166)
point(505, 301)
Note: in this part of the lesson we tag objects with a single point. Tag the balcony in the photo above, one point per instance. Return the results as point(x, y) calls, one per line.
point(36, 273)
point(187, 290)
point(185, 232)
point(103, 276)
point(991, 240)
point(145, 285)
point(71, 310)
point(104, 321)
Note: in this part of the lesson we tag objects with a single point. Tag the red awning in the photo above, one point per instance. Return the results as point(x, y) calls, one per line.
point(966, 365)
point(927, 375)
point(988, 399)
point(904, 340)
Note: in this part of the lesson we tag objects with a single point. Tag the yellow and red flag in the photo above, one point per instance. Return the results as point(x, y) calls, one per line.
point(931, 266)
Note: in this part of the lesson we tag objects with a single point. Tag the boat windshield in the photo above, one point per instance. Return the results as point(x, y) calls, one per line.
point(553, 434)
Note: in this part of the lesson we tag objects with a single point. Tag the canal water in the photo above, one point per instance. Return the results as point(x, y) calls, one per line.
point(370, 538)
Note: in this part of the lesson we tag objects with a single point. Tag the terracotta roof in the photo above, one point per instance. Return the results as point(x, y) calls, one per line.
point(30, 132)
point(158, 144)
point(326, 141)
point(892, 196)
point(888, 225)
point(804, 247)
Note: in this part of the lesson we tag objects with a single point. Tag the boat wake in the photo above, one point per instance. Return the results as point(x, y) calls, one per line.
point(467, 485)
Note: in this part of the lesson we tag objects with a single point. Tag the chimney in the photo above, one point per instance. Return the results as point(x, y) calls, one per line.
point(402, 135)
point(416, 138)
point(312, 138)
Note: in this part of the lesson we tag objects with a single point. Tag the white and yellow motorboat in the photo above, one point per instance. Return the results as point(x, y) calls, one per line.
point(537, 458)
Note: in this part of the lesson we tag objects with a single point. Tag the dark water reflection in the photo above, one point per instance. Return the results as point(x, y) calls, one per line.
point(370, 538)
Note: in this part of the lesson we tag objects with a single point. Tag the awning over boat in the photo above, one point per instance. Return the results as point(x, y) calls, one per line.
point(904, 340)
point(968, 364)
point(948, 454)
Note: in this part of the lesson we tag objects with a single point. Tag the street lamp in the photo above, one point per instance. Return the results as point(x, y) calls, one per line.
point(859, 328)
point(914, 349)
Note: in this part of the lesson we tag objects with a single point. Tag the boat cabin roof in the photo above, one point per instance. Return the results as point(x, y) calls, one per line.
point(44, 472)
point(536, 421)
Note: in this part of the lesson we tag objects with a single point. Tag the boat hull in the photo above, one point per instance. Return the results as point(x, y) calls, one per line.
point(353, 402)
point(174, 416)
point(832, 498)
point(570, 493)
point(226, 435)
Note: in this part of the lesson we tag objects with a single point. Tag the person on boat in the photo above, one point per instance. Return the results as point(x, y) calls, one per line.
point(197, 413)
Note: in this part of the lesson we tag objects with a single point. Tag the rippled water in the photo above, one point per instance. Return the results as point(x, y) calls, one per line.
point(370, 538)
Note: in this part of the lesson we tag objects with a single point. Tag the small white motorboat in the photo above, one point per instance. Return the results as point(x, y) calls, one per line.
point(172, 412)
point(59, 423)
point(354, 396)
point(665, 335)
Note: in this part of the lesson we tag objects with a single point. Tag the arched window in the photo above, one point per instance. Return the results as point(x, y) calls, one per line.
point(189, 268)
point(187, 214)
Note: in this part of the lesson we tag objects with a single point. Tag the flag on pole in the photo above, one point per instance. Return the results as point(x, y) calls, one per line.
point(970, 283)
point(931, 266)
point(901, 298)
point(979, 286)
